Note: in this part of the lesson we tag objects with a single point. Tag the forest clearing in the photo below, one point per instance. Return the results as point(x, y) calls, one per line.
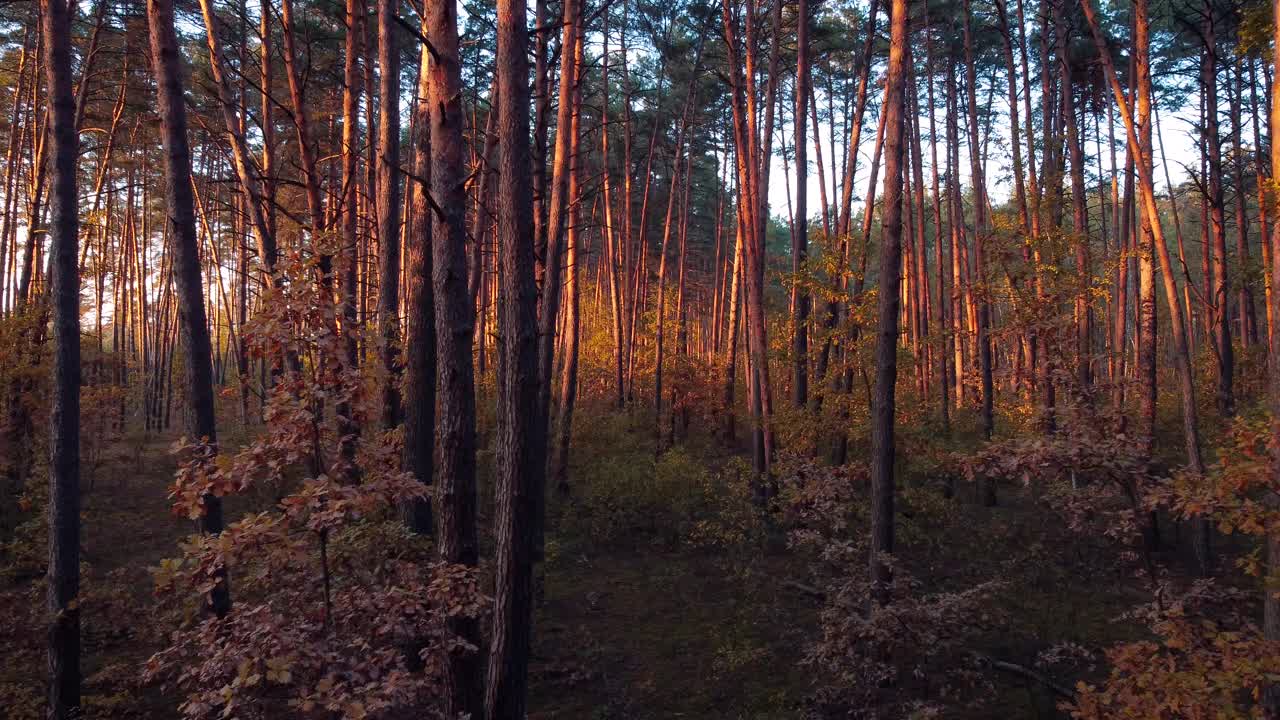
point(625, 360)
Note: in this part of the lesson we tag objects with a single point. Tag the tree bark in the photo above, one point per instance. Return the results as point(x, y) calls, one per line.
point(800, 234)
point(1221, 298)
point(883, 402)
point(64, 403)
point(419, 407)
point(455, 328)
point(166, 63)
point(1271, 598)
point(520, 451)
point(388, 207)
point(1182, 359)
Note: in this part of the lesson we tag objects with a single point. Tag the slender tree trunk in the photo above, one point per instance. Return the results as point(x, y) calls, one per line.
point(1271, 599)
point(248, 174)
point(883, 402)
point(979, 243)
point(573, 320)
point(1244, 303)
point(1221, 298)
point(1264, 223)
point(1079, 212)
point(201, 425)
point(800, 235)
point(388, 207)
point(1182, 359)
point(348, 428)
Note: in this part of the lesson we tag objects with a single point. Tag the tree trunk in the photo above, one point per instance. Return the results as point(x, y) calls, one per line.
point(348, 428)
point(520, 466)
point(455, 328)
point(388, 211)
point(167, 66)
point(1271, 598)
point(64, 403)
point(419, 407)
point(1220, 297)
point(569, 378)
point(246, 172)
point(1182, 359)
point(800, 234)
point(1079, 212)
point(979, 243)
point(883, 402)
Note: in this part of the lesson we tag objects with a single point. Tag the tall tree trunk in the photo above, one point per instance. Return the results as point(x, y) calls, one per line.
point(944, 317)
point(201, 426)
point(455, 328)
point(573, 320)
point(1182, 357)
point(247, 173)
point(1271, 598)
point(302, 124)
point(419, 407)
point(1220, 297)
point(800, 234)
point(613, 254)
point(348, 428)
point(520, 455)
point(979, 247)
point(1244, 302)
point(1264, 224)
point(388, 207)
point(554, 228)
point(64, 403)
point(1079, 210)
point(883, 402)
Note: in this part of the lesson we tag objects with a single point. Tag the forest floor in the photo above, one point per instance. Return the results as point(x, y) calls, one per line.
point(635, 620)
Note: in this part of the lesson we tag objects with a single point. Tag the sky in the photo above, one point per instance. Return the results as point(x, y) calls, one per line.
point(1181, 144)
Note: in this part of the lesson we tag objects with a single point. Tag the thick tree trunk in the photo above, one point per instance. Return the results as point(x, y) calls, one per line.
point(520, 451)
point(64, 402)
point(455, 328)
point(419, 407)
